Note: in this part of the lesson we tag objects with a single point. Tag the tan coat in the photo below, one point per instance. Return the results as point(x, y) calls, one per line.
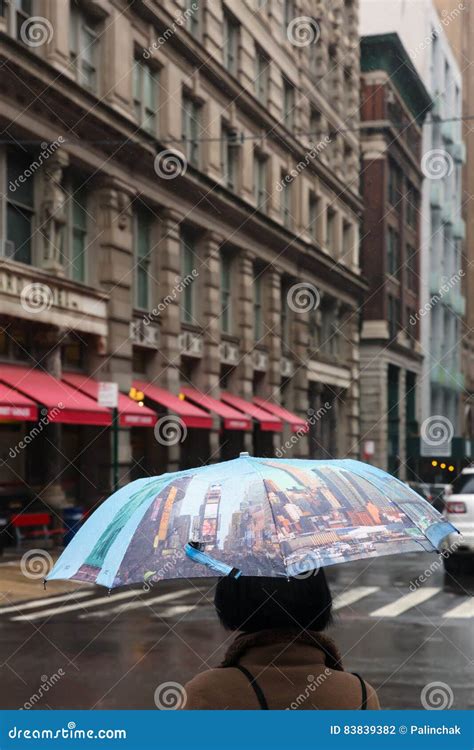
point(295, 671)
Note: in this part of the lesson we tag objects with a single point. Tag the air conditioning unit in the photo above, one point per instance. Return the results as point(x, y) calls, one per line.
point(229, 353)
point(7, 248)
point(260, 360)
point(144, 334)
point(191, 344)
point(287, 368)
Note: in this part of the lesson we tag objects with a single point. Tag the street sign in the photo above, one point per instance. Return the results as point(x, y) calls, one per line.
point(108, 394)
point(369, 448)
point(430, 449)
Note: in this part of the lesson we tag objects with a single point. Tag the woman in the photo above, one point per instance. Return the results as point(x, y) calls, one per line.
point(280, 659)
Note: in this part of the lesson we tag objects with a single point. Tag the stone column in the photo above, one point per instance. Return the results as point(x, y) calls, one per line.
point(165, 371)
point(114, 268)
point(209, 371)
point(53, 493)
point(246, 332)
point(300, 383)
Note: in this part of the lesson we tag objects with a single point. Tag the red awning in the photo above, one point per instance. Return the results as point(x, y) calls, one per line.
point(15, 406)
point(131, 414)
point(233, 419)
point(191, 415)
point(295, 422)
point(64, 404)
point(268, 422)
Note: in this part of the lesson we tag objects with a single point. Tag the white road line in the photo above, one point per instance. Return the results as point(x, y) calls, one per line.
point(353, 595)
point(72, 607)
point(137, 605)
point(20, 606)
point(405, 602)
point(464, 610)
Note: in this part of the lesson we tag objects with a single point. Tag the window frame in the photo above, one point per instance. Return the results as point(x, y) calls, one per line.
point(226, 268)
point(188, 252)
point(142, 262)
point(191, 113)
point(80, 24)
point(231, 29)
point(146, 116)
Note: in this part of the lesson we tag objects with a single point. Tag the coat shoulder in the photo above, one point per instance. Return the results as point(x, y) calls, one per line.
point(205, 690)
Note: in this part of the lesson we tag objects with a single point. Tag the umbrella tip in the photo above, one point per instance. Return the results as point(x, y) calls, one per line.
point(244, 454)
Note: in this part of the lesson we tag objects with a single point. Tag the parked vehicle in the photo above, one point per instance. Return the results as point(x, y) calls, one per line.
point(459, 510)
point(435, 494)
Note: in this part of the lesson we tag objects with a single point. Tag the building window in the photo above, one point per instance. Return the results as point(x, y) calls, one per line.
point(285, 320)
point(145, 86)
point(78, 231)
point(412, 211)
point(314, 329)
point(257, 303)
point(393, 251)
point(411, 263)
point(330, 229)
point(226, 292)
point(260, 180)
point(20, 209)
point(394, 184)
point(231, 44)
point(330, 333)
point(285, 198)
point(347, 240)
point(288, 104)
point(288, 13)
point(393, 419)
point(191, 129)
point(393, 316)
point(142, 242)
point(23, 10)
point(315, 126)
point(262, 71)
point(313, 216)
point(84, 42)
point(188, 267)
point(230, 156)
point(194, 18)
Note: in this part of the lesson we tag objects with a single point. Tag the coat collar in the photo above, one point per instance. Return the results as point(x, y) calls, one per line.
point(286, 642)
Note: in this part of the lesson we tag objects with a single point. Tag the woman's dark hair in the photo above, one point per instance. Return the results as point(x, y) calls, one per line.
point(252, 603)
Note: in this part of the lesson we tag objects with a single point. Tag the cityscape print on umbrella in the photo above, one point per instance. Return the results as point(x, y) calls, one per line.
point(279, 518)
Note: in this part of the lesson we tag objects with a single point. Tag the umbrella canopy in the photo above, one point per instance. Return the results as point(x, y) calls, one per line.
point(258, 516)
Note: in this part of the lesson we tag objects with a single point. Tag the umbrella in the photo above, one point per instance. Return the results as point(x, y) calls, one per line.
point(249, 516)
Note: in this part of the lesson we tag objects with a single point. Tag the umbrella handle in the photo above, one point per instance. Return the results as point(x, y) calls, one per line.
point(194, 552)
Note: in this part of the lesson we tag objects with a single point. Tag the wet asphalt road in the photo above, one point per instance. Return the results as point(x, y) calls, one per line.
point(113, 652)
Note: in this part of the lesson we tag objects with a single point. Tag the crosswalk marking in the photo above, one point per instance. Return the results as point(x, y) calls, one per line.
point(464, 610)
point(71, 607)
point(148, 602)
point(405, 602)
point(21, 606)
point(353, 595)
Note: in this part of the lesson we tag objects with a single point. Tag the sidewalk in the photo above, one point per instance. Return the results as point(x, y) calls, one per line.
point(22, 572)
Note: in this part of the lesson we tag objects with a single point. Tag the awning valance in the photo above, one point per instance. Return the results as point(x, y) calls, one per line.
point(131, 414)
point(233, 419)
point(268, 422)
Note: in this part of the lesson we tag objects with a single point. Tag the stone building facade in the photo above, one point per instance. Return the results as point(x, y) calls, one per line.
point(171, 174)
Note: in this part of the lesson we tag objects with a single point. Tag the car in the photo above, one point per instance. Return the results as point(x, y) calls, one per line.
point(459, 510)
point(435, 494)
